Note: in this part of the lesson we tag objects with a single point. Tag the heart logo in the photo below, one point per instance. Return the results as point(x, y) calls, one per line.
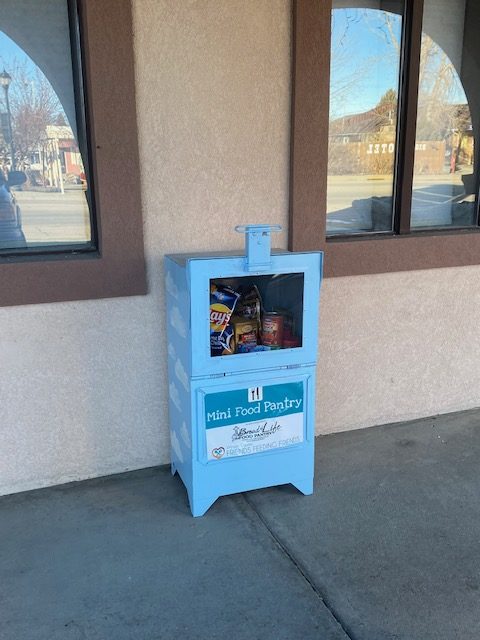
point(218, 453)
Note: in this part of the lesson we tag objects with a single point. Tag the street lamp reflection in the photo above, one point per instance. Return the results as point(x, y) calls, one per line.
point(5, 80)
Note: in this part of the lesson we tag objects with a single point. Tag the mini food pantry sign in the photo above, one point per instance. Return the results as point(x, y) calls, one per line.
point(252, 420)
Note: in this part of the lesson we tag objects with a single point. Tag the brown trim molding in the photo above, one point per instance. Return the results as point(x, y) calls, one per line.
point(407, 117)
point(401, 253)
point(308, 173)
point(118, 268)
point(309, 124)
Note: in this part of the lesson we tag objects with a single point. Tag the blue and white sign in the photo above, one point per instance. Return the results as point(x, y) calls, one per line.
point(253, 420)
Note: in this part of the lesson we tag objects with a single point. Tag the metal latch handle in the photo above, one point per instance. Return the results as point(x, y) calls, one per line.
point(258, 245)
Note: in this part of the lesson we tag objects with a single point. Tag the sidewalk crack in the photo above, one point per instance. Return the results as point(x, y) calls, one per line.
point(278, 542)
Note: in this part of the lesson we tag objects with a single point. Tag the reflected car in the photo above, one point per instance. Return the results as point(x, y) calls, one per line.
point(11, 234)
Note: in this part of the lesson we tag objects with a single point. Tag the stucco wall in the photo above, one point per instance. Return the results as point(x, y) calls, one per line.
point(83, 389)
point(398, 346)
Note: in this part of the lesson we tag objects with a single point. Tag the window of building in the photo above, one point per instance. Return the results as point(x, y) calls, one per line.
point(46, 201)
point(393, 86)
point(70, 209)
point(364, 83)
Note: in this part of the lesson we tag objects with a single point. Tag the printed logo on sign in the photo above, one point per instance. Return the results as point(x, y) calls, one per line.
point(219, 316)
point(255, 394)
point(258, 432)
point(252, 420)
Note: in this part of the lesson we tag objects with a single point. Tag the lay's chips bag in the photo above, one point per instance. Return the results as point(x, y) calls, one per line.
point(222, 303)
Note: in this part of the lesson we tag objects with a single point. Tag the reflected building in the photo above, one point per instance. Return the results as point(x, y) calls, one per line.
point(363, 179)
point(57, 159)
point(364, 144)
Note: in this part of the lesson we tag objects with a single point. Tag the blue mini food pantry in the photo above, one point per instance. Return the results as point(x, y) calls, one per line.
point(242, 350)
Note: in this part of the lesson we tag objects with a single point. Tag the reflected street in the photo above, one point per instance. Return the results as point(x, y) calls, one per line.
point(50, 217)
point(340, 189)
point(434, 195)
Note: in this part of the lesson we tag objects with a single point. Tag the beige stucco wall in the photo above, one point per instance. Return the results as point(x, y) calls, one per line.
point(398, 346)
point(83, 385)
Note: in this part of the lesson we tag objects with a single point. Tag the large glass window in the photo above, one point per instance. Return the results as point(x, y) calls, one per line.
point(365, 63)
point(444, 184)
point(386, 57)
point(45, 190)
point(427, 216)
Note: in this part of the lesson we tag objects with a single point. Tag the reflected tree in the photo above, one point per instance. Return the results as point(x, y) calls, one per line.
point(443, 111)
point(34, 105)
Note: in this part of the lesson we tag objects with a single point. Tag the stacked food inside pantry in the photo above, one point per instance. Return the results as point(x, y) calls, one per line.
point(260, 313)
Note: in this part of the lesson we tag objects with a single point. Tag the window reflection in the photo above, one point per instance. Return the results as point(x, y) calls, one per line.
point(43, 183)
point(444, 185)
point(365, 59)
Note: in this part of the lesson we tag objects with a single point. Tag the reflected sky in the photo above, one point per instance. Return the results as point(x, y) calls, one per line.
point(27, 77)
point(36, 138)
point(11, 54)
point(365, 75)
point(364, 62)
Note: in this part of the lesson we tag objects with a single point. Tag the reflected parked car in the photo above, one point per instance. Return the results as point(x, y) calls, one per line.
point(11, 234)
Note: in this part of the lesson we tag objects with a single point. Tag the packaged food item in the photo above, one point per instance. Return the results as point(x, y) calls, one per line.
point(223, 344)
point(250, 304)
point(246, 333)
point(222, 303)
point(272, 330)
point(249, 348)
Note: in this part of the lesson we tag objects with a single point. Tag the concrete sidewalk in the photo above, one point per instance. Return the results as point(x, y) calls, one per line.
point(387, 548)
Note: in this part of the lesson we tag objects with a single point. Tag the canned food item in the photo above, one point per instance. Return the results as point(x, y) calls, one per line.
point(246, 334)
point(272, 330)
point(288, 323)
point(290, 342)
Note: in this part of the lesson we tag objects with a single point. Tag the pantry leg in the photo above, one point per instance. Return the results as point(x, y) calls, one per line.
point(199, 506)
point(304, 485)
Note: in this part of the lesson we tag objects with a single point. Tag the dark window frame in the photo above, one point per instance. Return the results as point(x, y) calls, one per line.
point(401, 250)
point(116, 267)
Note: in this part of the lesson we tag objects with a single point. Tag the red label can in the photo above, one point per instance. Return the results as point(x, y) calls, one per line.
point(272, 330)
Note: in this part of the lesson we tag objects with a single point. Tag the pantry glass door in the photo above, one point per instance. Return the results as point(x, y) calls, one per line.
point(256, 313)
point(249, 321)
